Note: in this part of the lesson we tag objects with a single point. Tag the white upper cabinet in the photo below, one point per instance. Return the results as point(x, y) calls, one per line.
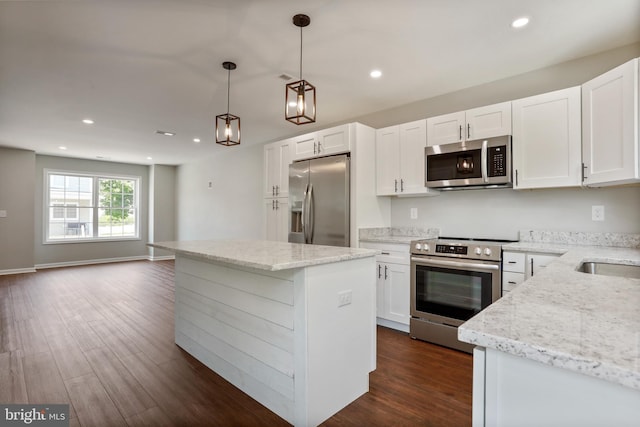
point(610, 127)
point(547, 140)
point(322, 143)
point(277, 158)
point(400, 165)
point(477, 123)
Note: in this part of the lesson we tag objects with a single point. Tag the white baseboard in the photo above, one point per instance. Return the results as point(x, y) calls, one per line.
point(161, 258)
point(393, 325)
point(85, 262)
point(90, 261)
point(17, 271)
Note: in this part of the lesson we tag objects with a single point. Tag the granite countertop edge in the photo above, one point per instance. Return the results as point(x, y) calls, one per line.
point(559, 295)
point(265, 255)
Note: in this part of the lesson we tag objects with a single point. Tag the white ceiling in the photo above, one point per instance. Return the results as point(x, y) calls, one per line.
point(139, 66)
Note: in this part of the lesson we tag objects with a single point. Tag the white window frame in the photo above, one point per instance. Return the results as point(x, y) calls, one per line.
point(47, 211)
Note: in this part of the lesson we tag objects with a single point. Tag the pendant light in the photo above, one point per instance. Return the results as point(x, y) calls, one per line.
point(228, 125)
point(300, 97)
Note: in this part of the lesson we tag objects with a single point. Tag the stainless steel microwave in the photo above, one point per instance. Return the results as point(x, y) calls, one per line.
point(482, 163)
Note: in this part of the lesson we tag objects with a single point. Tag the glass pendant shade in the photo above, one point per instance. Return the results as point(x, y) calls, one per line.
point(227, 129)
point(300, 102)
point(228, 125)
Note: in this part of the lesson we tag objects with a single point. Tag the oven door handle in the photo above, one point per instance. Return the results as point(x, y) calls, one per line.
point(444, 263)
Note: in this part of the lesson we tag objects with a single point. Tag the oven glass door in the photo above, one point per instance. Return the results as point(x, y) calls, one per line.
point(453, 290)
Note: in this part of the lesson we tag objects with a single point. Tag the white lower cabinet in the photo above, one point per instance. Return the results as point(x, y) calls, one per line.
point(276, 213)
point(516, 391)
point(520, 266)
point(392, 284)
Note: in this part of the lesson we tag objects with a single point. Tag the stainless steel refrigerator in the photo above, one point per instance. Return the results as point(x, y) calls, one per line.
point(319, 201)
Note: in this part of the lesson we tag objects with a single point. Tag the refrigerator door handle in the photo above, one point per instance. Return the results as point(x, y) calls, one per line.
point(304, 214)
point(310, 215)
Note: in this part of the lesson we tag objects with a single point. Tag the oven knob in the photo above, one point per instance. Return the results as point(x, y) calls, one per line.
point(425, 247)
point(478, 251)
point(418, 246)
point(487, 251)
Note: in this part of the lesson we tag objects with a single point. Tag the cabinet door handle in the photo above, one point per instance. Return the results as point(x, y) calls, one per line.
point(395, 186)
point(277, 207)
point(584, 167)
point(379, 271)
point(531, 267)
point(460, 138)
point(318, 147)
point(516, 177)
point(468, 131)
point(273, 190)
point(314, 148)
point(385, 272)
point(277, 190)
point(402, 185)
point(273, 204)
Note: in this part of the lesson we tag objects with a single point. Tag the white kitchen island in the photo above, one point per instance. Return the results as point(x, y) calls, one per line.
point(291, 325)
point(561, 349)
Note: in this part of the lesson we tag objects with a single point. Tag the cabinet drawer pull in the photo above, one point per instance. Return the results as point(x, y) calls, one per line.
point(386, 253)
point(512, 262)
point(511, 283)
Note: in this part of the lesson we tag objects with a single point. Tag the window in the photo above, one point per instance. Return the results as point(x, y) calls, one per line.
point(84, 207)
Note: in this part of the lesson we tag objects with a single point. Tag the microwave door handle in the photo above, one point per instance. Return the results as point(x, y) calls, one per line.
point(483, 160)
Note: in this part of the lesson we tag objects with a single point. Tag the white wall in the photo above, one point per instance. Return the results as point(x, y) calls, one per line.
point(162, 208)
point(232, 207)
point(501, 213)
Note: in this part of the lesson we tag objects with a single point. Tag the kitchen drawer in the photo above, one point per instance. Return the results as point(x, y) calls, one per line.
point(396, 253)
point(513, 261)
point(510, 280)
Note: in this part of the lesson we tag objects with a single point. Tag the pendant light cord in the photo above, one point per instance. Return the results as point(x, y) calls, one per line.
point(300, 53)
point(228, 88)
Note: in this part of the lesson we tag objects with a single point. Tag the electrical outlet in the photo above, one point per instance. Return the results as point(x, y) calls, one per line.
point(344, 298)
point(414, 213)
point(210, 185)
point(597, 213)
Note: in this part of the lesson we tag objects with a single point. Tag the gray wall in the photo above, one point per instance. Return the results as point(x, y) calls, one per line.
point(162, 207)
point(232, 207)
point(17, 185)
point(75, 252)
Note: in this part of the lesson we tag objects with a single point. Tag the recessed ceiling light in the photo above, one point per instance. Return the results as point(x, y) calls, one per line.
point(62, 147)
point(196, 140)
point(88, 121)
point(375, 74)
point(165, 133)
point(149, 158)
point(520, 22)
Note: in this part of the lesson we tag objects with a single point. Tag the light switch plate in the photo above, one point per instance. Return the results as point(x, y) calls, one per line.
point(414, 213)
point(3, 214)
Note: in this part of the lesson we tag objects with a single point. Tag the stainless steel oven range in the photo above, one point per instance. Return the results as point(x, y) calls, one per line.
point(452, 280)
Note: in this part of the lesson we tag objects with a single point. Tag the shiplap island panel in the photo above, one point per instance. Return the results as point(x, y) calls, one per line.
point(291, 325)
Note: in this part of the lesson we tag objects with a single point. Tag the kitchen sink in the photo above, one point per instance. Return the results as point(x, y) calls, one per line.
point(607, 269)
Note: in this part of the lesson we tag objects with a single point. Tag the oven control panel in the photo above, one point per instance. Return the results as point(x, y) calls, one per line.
point(450, 249)
point(457, 249)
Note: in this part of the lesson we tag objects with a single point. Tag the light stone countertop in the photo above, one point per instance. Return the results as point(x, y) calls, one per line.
point(264, 254)
point(568, 319)
point(401, 235)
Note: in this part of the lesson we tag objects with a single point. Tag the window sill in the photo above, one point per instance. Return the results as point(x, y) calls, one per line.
point(75, 241)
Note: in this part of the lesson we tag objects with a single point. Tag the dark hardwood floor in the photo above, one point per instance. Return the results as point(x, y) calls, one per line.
point(101, 339)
